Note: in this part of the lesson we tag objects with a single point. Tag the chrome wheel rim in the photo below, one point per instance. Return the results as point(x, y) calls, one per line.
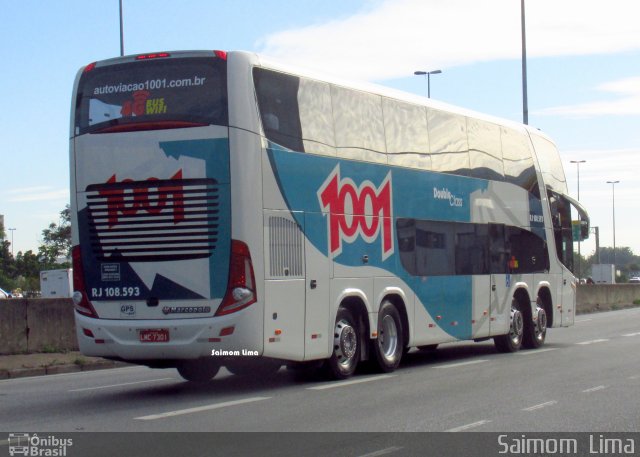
point(517, 326)
point(388, 337)
point(345, 342)
point(541, 324)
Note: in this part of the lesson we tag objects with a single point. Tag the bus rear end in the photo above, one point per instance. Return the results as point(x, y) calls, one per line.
point(157, 277)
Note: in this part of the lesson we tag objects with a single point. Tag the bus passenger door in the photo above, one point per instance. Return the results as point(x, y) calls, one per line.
point(318, 335)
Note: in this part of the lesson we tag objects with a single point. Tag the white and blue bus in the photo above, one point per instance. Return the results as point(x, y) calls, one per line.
point(231, 211)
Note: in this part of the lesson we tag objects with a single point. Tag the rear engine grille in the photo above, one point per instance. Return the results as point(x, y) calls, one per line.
point(154, 220)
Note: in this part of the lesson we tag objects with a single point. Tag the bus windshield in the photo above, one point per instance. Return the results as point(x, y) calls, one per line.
point(151, 94)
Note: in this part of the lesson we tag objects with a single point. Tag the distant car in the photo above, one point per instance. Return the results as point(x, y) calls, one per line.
point(635, 279)
point(4, 294)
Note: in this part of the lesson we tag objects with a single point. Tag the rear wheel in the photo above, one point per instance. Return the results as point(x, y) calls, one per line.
point(346, 346)
point(199, 370)
point(512, 341)
point(535, 331)
point(388, 347)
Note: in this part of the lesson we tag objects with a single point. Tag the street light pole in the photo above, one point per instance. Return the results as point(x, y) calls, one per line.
point(525, 103)
point(12, 230)
point(613, 205)
point(121, 32)
point(578, 162)
point(428, 75)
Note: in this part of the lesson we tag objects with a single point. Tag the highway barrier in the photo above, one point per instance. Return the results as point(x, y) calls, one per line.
point(47, 325)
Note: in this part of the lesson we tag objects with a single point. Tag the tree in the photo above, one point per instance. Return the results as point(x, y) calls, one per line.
point(56, 241)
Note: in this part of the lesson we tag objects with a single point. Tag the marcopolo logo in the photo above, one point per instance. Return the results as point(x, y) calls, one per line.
point(445, 194)
point(34, 445)
point(363, 211)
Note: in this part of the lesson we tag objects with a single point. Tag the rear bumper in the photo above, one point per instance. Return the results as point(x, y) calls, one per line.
point(188, 338)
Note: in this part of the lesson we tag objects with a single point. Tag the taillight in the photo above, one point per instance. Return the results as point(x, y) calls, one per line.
point(221, 54)
point(241, 287)
point(89, 67)
point(80, 299)
point(154, 55)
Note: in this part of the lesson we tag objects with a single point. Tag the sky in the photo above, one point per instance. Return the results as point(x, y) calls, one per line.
point(583, 73)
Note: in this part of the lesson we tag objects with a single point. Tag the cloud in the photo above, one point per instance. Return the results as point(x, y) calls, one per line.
point(36, 194)
point(392, 38)
point(627, 104)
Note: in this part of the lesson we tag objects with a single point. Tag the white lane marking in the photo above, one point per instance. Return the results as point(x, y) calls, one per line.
point(461, 364)
point(388, 450)
point(540, 406)
point(580, 321)
point(333, 385)
point(198, 409)
point(585, 343)
point(632, 334)
point(537, 351)
point(594, 389)
point(120, 385)
point(462, 428)
point(634, 377)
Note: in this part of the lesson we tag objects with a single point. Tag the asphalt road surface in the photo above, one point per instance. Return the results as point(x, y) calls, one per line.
point(585, 378)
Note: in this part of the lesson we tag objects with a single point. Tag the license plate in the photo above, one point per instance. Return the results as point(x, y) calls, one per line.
point(154, 335)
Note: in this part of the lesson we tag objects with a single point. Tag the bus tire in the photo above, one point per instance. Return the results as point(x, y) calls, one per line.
point(535, 331)
point(198, 371)
point(388, 347)
point(346, 346)
point(512, 341)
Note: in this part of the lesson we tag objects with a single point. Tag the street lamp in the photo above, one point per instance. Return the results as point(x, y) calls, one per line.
point(525, 103)
point(428, 75)
point(578, 162)
point(613, 206)
point(12, 230)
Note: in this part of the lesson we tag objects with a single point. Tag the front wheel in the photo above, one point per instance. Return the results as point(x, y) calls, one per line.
point(388, 347)
point(346, 346)
point(199, 371)
point(512, 341)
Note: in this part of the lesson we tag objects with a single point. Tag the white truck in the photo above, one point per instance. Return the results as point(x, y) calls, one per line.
point(56, 283)
point(603, 273)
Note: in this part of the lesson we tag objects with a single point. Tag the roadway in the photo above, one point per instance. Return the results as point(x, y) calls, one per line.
point(585, 378)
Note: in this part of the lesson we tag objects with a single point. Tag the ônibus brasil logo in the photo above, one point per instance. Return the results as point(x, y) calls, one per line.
point(357, 211)
point(129, 201)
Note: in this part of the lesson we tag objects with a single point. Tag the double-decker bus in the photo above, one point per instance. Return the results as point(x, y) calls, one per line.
point(230, 211)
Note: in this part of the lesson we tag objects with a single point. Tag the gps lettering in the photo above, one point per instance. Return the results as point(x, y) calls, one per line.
point(357, 211)
point(151, 198)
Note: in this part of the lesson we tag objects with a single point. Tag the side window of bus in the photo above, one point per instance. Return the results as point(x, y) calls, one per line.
point(528, 251)
point(561, 220)
point(448, 142)
point(407, 135)
point(316, 117)
point(357, 118)
point(437, 248)
point(518, 161)
point(277, 95)
point(485, 150)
